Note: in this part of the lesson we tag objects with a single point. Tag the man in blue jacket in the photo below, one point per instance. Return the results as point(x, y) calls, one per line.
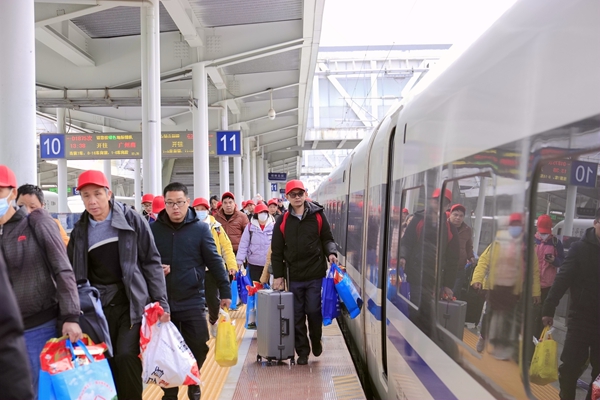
point(187, 248)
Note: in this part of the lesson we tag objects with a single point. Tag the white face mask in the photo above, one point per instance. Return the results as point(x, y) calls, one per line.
point(262, 217)
point(202, 215)
point(544, 236)
point(4, 204)
point(515, 231)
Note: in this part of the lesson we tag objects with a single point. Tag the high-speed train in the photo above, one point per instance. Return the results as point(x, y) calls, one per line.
point(511, 126)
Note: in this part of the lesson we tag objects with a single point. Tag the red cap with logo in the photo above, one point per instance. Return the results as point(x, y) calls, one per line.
point(200, 201)
point(227, 195)
point(92, 177)
point(447, 194)
point(158, 204)
point(294, 184)
point(7, 177)
point(544, 224)
point(147, 198)
point(272, 202)
point(260, 208)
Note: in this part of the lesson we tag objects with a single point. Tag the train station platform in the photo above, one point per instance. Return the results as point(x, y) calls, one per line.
point(330, 376)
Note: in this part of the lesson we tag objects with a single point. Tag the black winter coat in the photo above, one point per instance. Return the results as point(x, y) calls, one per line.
point(579, 272)
point(305, 251)
point(15, 378)
point(143, 276)
point(189, 249)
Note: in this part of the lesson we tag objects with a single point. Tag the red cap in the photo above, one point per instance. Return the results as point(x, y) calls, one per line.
point(244, 204)
point(250, 203)
point(158, 204)
point(544, 224)
point(92, 177)
point(7, 177)
point(515, 217)
point(294, 184)
point(219, 204)
point(147, 198)
point(405, 210)
point(260, 208)
point(447, 194)
point(458, 207)
point(227, 195)
point(200, 201)
point(272, 202)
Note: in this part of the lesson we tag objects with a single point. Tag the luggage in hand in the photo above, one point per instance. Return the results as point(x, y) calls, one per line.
point(275, 326)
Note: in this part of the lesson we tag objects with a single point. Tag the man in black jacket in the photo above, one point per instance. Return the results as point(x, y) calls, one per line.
point(305, 245)
point(112, 247)
point(187, 249)
point(579, 273)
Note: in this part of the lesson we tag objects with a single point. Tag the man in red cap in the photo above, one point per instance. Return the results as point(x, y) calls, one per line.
point(39, 271)
point(113, 248)
point(303, 243)
point(273, 208)
point(147, 206)
point(550, 254)
point(232, 220)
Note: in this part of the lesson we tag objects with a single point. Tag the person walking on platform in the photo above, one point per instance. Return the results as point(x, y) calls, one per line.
point(550, 254)
point(281, 206)
point(303, 243)
point(112, 247)
point(273, 208)
point(147, 207)
point(249, 209)
point(465, 237)
point(41, 276)
point(579, 274)
point(187, 249)
point(225, 250)
point(256, 241)
point(214, 200)
point(233, 220)
point(32, 197)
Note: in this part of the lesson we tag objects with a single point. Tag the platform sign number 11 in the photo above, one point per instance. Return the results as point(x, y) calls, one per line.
point(229, 143)
point(584, 173)
point(52, 146)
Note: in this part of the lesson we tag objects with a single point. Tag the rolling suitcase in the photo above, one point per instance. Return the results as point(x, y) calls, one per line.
point(451, 315)
point(275, 326)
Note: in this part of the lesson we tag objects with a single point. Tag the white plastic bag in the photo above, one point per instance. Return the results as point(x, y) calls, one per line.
point(166, 360)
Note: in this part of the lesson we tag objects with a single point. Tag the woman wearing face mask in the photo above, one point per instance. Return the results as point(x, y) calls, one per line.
point(256, 241)
point(225, 249)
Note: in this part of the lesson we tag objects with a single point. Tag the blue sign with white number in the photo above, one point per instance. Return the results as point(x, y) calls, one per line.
point(273, 187)
point(584, 173)
point(277, 176)
point(52, 146)
point(282, 191)
point(229, 143)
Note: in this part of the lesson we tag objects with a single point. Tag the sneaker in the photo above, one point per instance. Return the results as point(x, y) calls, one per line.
point(213, 329)
point(317, 348)
point(252, 326)
point(480, 344)
point(302, 360)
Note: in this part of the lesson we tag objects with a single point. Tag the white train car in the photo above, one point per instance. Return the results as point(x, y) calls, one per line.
point(523, 97)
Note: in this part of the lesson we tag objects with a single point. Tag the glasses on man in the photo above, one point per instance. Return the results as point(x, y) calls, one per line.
point(295, 195)
point(172, 204)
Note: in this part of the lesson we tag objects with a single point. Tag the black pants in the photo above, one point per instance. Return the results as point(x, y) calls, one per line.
point(579, 345)
point(193, 328)
point(255, 272)
point(307, 304)
point(213, 300)
point(125, 365)
point(538, 326)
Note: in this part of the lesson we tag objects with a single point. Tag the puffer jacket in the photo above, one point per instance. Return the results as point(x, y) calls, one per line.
point(143, 276)
point(255, 242)
point(579, 273)
point(465, 235)
point(491, 256)
point(224, 247)
point(548, 270)
point(234, 227)
point(40, 299)
point(304, 251)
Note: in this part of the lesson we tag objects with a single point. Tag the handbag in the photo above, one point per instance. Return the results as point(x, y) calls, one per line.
point(330, 300)
point(348, 293)
point(544, 366)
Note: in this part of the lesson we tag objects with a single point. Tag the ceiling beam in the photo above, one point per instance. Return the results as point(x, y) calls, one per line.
point(342, 143)
point(216, 78)
point(74, 14)
point(272, 131)
point(63, 46)
point(180, 14)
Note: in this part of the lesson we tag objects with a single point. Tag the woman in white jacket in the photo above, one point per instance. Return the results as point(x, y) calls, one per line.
point(256, 241)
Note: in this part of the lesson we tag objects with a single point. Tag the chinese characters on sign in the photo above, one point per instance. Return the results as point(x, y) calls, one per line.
point(103, 146)
point(277, 176)
point(556, 172)
point(181, 144)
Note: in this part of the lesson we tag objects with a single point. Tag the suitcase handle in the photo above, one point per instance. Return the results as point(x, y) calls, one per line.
point(285, 326)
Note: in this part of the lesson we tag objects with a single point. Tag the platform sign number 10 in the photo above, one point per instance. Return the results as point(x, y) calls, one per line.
point(52, 146)
point(584, 173)
point(229, 143)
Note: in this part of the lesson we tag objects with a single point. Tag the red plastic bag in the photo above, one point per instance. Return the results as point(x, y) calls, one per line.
point(56, 357)
point(596, 389)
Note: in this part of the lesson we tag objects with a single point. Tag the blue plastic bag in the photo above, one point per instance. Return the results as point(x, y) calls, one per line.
point(234, 294)
point(242, 282)
point(92, 380)
point(330, 300)
point(251, 312)
point(45, 389)
point(348, 293)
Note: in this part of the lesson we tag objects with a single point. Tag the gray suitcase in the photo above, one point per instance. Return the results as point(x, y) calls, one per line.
point(275, 326)
point(451, 315)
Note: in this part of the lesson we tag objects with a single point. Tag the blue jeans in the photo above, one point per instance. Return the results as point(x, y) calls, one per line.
point(35, 339)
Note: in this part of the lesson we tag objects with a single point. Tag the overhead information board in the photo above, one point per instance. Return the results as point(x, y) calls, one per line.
point(181, 144)
point(277, 176)
point(103, 146)
point(556, 171)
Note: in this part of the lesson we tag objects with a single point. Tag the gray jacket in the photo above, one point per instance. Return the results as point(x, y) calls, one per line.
point(143, 276)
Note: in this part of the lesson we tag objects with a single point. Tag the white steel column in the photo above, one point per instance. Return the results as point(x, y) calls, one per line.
point(247, 182)
point(62, 172)
point(253, 170)
point(260, 176)
point(570, 210)
point(200, 115)
point(137, 185)
point(479, 213)
point(107, 167)
point(17, 90)
point(151, 149)
point(266, 178)
point(237, 175)
point(224, 160)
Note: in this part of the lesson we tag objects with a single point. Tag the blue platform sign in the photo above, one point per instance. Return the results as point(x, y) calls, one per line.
point(229, 143)
point(277, 176)
point(584, 173)
point(273, 187)
point(282, 191)
point(52, 146)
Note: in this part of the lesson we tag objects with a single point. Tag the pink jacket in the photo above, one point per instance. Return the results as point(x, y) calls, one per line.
point(548, 270)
